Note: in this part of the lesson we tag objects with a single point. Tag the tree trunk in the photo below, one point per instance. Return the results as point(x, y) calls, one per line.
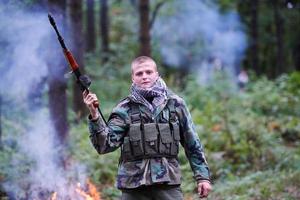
point(144, 36)
point(90, 32)
point(279, 24)
point(104, 28)
point(74, 11)
point(296, 56)
point(296, 49)
point(58, 106)
point(254, 37)
point(57, 83)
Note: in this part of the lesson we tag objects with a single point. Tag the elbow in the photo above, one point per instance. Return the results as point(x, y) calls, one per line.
point(100, 150)
point(99, 143)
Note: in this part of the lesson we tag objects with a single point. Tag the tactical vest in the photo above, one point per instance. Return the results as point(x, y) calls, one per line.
point(151, 138)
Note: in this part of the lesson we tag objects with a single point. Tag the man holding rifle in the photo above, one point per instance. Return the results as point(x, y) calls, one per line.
point(148, 125)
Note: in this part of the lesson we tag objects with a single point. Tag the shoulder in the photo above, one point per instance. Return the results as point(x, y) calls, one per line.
point(123, 104)
point(180, 105)
point(120, 111)
point(178, 100)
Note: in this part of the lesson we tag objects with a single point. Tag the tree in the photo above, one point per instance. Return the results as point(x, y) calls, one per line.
point(104, 28)
point(90, 21)
point(144, 34)
point(254, 11)
point(74, 12)
point(297, 56)
point(279, 25)
point(56, 81)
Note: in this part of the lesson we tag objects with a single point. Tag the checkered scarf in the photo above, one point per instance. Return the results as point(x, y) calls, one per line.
point(158, 91)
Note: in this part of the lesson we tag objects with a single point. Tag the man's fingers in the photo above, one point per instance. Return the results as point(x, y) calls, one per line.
point(87, 98)
point(200, 191)
point(204, 192)
point(85, 93)
point(93, 99)
point(204, 189)
point(90, 98)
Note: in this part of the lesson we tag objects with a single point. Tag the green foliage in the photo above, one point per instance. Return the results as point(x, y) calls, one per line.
point(270, 184)
point(13, 164)
point(293, 83)
point(242, 126)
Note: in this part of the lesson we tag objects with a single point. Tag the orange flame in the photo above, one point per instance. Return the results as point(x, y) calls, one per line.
point(53, 196)
point(91, 192)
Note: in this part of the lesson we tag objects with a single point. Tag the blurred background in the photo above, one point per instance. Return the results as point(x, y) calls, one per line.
point(235, 62)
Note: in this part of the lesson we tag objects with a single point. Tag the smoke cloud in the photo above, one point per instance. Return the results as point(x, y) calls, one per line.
point(21, 63)
point(22, 67)
point(197, 36)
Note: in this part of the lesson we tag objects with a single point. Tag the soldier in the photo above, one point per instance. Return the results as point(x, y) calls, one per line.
point(148, 125)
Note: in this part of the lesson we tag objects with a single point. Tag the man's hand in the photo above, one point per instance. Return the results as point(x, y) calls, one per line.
point(204, 187)
point(89, 99)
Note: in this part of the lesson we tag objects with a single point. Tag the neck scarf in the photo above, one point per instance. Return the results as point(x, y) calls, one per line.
point(158, 92)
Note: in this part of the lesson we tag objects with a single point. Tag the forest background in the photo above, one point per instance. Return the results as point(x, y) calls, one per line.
point(250, 129)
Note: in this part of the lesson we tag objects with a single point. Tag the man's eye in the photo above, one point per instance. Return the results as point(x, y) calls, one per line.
point(149, 72)
point(139, 74)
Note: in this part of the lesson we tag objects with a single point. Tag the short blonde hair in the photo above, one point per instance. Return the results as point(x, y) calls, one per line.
point(140, 60)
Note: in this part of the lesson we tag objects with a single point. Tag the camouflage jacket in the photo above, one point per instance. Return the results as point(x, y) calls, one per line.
point(132, 174)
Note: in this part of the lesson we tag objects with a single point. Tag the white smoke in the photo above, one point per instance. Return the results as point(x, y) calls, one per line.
point(22, 41)
point(22, 64)
point(196, 35)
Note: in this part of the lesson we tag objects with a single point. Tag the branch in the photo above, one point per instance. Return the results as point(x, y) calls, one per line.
point(157, 7)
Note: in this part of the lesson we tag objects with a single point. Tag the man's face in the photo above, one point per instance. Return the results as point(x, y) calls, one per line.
point(145, 74)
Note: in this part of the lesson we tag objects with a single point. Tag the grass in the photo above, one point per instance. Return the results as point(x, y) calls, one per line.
point(270, 184)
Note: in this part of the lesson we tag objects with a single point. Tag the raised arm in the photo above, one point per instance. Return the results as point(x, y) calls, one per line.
point(106, 138)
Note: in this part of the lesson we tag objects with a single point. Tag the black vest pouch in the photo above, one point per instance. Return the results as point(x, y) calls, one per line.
point(150, 135)
point(165, 138)
point(176, 137)
point(126, 149)
point(136, 139)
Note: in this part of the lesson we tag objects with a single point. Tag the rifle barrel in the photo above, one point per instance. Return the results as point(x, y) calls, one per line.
point(60, 38)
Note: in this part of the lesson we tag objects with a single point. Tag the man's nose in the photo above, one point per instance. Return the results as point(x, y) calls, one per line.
point(144, 75)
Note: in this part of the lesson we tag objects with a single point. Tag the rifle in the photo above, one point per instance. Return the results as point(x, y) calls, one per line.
point(83, 81)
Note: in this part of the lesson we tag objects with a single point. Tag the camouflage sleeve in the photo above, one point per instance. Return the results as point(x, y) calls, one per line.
point(107, 138)
point(192, 145)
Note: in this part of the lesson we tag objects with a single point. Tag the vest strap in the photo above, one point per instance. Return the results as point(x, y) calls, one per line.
point(172, 110)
